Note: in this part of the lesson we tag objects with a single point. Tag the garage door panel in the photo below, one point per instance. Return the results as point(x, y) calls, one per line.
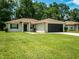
point(55, 27)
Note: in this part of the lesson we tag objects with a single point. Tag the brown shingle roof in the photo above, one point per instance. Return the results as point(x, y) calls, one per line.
point(23, 20)
point(71, 23)
point(51, 21)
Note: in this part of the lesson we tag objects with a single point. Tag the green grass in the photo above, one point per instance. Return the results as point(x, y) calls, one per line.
point(38, 46)
point(74, 31)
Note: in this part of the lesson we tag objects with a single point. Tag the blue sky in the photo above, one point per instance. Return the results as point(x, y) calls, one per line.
point(71, 3)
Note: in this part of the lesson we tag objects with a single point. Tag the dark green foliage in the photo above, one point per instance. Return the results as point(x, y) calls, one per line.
point(37, 10)
point(65, 28)
point(5, 12)
point(40, 10)
point(74, 14)
point(25, 9)
point(6, 29)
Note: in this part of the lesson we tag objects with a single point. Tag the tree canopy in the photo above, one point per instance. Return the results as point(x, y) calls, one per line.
point(5, 11)
point(14, 9)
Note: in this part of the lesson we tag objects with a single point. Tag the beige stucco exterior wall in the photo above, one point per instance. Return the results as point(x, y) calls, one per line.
point(69, 28)
point(20, 28)
point(44, 27)
point(41, 27)
point(77, 27)
point(28, 27)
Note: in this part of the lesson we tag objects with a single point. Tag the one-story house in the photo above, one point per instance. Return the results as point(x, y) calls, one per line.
point(33, 25)
point(72, 25)
point(21, 25)
point(50, 25)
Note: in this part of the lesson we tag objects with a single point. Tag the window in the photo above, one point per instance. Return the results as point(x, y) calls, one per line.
point(71, 27)
point(14, 26)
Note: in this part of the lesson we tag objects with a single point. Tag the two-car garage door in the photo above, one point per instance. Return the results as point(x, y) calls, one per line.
point(55, 27)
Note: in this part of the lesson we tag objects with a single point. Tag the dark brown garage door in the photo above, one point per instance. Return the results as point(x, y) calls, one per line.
point(55, 27)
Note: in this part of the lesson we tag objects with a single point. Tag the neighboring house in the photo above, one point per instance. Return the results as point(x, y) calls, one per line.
point(72, 25)
point(32, 25)
point(21, 25)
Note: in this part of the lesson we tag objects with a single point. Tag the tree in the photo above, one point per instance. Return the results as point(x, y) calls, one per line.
point(74, 14)
point(10, 9)
point(25, 9)
point(5, 12)
point(40, 10)
point(64, 10)
point(54, 11)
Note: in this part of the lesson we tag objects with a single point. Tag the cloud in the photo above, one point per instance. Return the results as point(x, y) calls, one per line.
point(76, 2)
point(33, 0)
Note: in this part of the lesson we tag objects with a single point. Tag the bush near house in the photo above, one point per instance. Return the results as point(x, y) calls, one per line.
point(65, 29)
point(6, 29)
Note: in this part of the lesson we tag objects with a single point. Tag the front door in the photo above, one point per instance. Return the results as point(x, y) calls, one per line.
point(25, 27)
point(33, 29)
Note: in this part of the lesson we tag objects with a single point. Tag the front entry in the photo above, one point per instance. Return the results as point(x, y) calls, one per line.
point(33, 28)
point(25, 27)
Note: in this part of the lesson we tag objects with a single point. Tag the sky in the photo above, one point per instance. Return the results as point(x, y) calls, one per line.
point(71, 3)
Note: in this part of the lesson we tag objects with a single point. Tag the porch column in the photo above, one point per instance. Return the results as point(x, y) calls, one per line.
point(8, 26)
point(22, 27)
point(45, 27)
point(68, 28)
point(63, 27)
point(76, 27)
point(29, 27)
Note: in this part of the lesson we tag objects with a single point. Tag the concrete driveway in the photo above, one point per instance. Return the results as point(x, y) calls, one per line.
point(68, 33)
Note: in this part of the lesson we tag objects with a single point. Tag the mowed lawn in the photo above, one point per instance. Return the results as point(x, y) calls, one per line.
point(17, 45)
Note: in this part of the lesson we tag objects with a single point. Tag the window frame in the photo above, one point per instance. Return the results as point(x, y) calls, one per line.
point(13, 26)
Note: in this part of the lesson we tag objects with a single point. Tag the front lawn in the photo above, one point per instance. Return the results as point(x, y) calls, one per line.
point(38, 46)
point(74, 31)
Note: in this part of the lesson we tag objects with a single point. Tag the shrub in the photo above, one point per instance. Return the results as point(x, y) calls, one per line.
point(65, 29)
point(6, 29)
